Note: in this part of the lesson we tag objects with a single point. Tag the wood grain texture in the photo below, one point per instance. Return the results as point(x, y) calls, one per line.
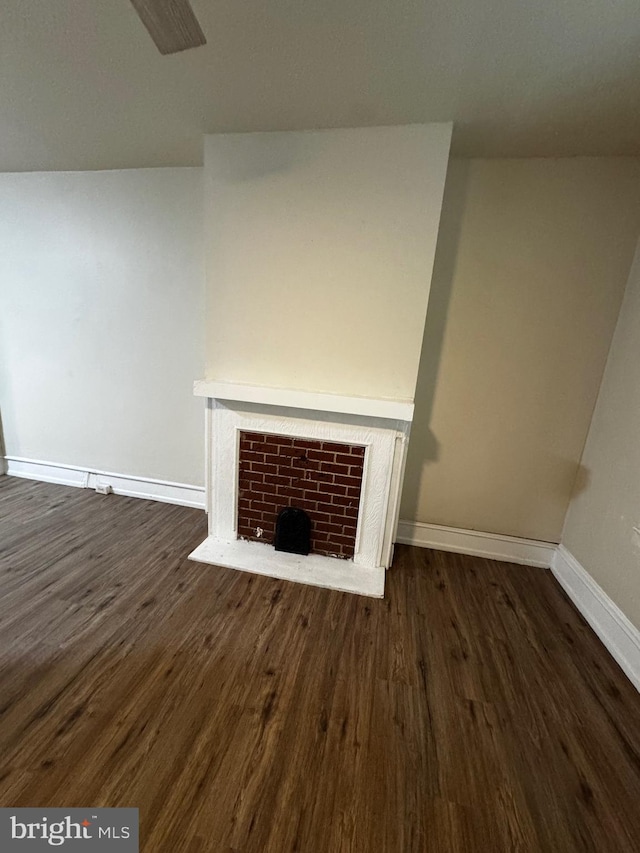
point(470, 710)
point(171, 24)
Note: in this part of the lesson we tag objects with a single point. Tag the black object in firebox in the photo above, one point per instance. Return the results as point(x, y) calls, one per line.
point(293, 531)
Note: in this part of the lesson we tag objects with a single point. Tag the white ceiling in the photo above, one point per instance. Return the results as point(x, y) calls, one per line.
point(83, 87)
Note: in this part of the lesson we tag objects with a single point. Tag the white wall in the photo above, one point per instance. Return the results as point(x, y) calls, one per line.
point(320, 248)
point(101, 320)
point(532, 261)
point(602, 530)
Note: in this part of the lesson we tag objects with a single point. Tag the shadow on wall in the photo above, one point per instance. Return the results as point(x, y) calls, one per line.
point(582, 480)
point(427, 449)
point(260, 161)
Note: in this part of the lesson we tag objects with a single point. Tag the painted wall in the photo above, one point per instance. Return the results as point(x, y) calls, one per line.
point(320, 249)
point(101, 335)
point(532, 261)
point(102, 328)
point(603, 523)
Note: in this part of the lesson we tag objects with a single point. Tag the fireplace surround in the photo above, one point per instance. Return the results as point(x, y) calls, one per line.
point(376, 432)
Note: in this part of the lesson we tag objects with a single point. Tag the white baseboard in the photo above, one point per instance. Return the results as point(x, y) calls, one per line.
point(121, 484)
point(618, 634)
point(512, 549)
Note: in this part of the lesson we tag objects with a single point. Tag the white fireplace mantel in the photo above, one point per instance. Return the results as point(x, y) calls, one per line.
point(401, 410)
point(381, 426)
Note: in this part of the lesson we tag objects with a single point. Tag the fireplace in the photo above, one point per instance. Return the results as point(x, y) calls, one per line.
point(320, 477)
point(340, 459)
point(319, 249)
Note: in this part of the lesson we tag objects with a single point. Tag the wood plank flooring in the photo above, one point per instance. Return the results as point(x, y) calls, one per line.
point(470, 710)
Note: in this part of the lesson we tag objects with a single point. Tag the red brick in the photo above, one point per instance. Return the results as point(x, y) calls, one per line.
point(278, 480)
point(250, 436)
point(258, 501)
point(285, 450)
point(320, 456)
point(342, 540)
point(289, 473)
point(323, 527)
point(252, 456)
point(272, 458)
point(301, 462)
point(262, 506)
point(250, 475)
point(343, 459)
point(331, 468)
point(350, 511)
point(347, 481)
point(289, 492)
point(261, 497)
point(307, 505)
point(334, 447)
point(322, 515)
point(343, 500)
point(251, 487)
point(251, 494)
point(255, 447)
point(320, 536)
point(307, 443)
point(251, 523)
point(328, 489)
point(309, 485)
point(279, 440)
point(263, 468)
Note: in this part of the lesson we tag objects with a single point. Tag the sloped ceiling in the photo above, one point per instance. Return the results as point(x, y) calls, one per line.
point(83, 87)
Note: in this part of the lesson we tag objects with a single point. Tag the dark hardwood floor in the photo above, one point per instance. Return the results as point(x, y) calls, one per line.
point(471, 710)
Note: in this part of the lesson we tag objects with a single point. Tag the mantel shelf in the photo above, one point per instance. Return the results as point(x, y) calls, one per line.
point(401, 410)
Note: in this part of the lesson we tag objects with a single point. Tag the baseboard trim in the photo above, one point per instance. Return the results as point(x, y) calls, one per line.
point(512, 549)
point(618, 634)
point(164, 491)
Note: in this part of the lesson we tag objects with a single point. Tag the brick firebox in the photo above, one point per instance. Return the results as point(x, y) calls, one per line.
point(321, 477)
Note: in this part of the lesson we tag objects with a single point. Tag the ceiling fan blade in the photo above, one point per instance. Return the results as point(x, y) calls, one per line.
point(172, 24)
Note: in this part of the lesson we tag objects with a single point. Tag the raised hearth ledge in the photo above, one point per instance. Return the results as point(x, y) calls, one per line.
point(401, 410)
point(314, 569)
